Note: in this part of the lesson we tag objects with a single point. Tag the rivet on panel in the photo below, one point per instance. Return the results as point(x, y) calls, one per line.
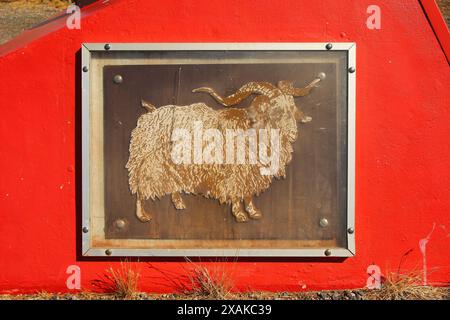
point(328, 252)
point(323, 222)
point(120, 223)
point(350, 230)
point(118, 79)
point(107, 46)
point(85, 229)
point(329, 46)
point(108, 252)
point(322, 75)
point(85, 69)
point(351, 69)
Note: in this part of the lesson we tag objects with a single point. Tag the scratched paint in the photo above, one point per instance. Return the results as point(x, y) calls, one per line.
point(402, 149)
point(423, 249)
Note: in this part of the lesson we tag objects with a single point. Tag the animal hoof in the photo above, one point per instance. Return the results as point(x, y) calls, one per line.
point(306, 119)
point(255, 215)
point(179, 206)
point(241, 217)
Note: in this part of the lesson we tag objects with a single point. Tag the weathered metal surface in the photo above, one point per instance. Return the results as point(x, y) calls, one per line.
point(315, 183)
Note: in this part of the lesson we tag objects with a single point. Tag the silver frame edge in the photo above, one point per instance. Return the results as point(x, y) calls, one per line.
point(88, 251)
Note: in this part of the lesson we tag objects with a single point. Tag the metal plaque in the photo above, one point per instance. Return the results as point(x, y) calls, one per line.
point(218, 149)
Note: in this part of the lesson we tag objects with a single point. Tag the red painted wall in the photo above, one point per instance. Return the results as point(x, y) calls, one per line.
point(403, 138)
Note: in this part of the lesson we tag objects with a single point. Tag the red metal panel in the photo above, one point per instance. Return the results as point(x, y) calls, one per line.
point(402, 154)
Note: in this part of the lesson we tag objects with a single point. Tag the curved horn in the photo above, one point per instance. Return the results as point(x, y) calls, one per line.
point(300, 92)
point(246, 90)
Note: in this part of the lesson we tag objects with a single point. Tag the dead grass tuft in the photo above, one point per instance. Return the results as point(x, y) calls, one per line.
point(43, 295)
point(59, 4)
point(397, 286)
point(209, 283)
point(122, 283)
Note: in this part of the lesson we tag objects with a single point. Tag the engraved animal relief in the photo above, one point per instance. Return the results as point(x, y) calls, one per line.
point(229, 154)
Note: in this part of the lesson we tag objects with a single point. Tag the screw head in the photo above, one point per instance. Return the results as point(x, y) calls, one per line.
point(118, 79)
point(351, 69)
point(85, 229)
point(322, 75)
point(323, 222)
point(108, 252)
point(329, 46)
point(120, 223)
point(328, 252)
point(107, 46)
point(85, 69)
point(350, 230)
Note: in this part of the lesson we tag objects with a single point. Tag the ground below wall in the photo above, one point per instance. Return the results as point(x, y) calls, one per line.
point(403, 293)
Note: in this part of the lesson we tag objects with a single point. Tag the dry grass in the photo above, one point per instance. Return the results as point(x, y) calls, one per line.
point(354, 294)
point(209, 283)
point(123, 283)
point(397, 286)
point(199, 281)
point(60, 4)
point(43, 295)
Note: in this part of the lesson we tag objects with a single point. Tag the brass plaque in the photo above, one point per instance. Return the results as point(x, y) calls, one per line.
point(218, 152)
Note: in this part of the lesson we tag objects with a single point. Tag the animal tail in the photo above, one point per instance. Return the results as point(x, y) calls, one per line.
point(148, 106)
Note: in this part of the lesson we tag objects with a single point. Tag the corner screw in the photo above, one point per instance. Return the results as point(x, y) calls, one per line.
point(120, 223)
point(323, 222)
point(85, 229)
point(350, 230)
point(108, 252)
point(351, 69)
point(118, 79)
point(85, 69)
point(328, 252)
point(322, 75)
point(107, 46)
point(329, 46)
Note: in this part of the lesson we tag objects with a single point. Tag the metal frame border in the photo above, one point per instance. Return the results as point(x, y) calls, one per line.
point(348, 251)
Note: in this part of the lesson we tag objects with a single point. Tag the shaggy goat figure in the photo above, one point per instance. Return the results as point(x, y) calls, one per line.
point(152, 173)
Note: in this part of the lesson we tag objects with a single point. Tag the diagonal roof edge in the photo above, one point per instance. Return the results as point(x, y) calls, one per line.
point(437, 23)
point(83, 3)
